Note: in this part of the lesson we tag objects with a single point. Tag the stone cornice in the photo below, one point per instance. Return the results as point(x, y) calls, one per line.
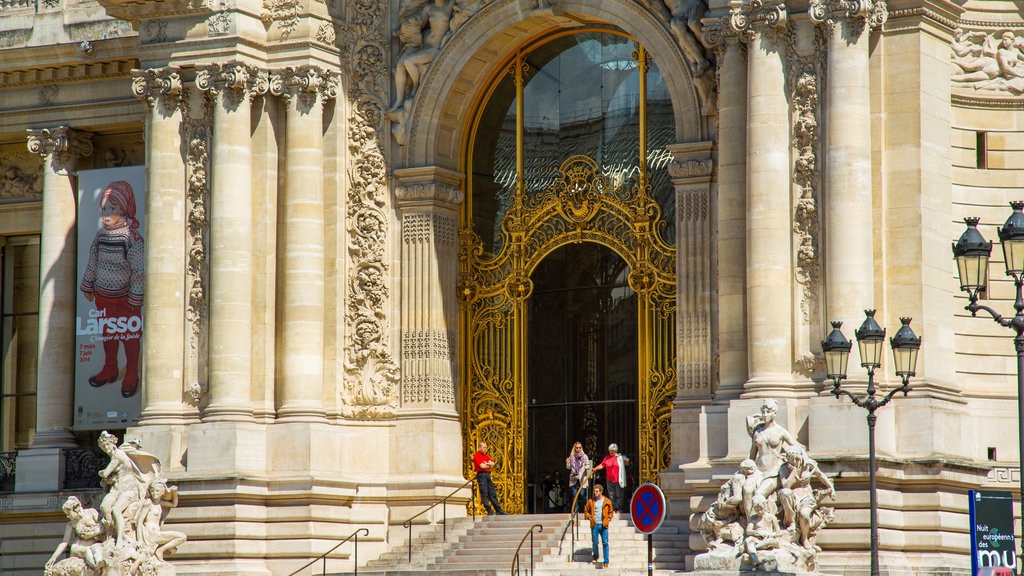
point(83, 71)
point(910, 14)
point(136, 10)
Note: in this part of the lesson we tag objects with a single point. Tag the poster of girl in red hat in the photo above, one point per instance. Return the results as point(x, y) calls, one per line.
point(111, 260)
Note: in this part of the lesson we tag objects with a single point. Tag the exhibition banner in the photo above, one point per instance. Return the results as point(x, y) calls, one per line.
point(111, 286)
point(992, 541)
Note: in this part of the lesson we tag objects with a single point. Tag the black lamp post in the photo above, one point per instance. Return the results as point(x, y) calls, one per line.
point(972, 252)
point(870, 339)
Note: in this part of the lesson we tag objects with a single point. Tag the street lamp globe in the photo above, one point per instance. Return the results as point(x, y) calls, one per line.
point(1011, 235)
point(972, 252)
point(836, 349)
point(870, 338)
point(905, 346)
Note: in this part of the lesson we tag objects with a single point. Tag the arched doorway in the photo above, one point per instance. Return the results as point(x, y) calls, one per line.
point(582, 363)
point(555, 161)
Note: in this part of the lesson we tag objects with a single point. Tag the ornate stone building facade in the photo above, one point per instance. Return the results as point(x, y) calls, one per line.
point(351, 203)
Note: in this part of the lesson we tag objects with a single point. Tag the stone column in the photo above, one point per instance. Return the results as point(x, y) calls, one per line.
point(429, 200)
point(300, 344)
point(768, 217)
point(55, 382)
point(231, 239)
point(164, 309)
point(730, 322)
point(849, 251)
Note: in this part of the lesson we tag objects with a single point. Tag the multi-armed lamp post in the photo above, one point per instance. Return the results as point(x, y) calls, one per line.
point(870, 340)
point(972, 252)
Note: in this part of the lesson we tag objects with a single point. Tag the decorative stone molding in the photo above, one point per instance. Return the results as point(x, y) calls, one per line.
point(198, 136)
point(220, 22)
point(61, 146)
point(429, 192)
point(691, 168)
point(235, 81)
point(421, 227)
point(758, 15)
point(305, 83)
point(1004, 476)
point(853, 13)
point(369, 373)
point(90, 71)
point(284, 13)
point(152, 84)
point(909, 18)
point(325, 34)
point(806, 218)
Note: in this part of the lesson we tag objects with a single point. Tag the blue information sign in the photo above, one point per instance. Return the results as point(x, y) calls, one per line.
point(648, 508)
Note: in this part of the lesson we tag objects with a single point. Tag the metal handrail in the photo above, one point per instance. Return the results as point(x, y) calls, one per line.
point(444, 514)
point(515, 558)
point(574, 521)
point(355, 554)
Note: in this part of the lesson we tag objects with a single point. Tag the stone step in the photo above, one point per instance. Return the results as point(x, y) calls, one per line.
point(487, 545)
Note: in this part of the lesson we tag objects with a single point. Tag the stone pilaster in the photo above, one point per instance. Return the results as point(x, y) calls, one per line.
point(231, 238)
point(769, 230)
point(691, 170)
point(164, 309)
point(300, 376)
point(429, 199)
point(849, 231)
point(61, 148)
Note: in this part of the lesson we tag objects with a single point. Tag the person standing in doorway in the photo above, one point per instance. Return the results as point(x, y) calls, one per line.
point(599, 512)
point(482, 465)
point(614, 465)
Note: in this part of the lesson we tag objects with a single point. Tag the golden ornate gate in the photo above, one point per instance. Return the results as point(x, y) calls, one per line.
point(582, 205)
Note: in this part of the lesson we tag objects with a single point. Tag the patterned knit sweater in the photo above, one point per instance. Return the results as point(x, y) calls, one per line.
point(116, 266)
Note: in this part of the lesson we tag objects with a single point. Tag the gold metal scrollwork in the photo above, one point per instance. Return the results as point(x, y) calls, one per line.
point(581, 205)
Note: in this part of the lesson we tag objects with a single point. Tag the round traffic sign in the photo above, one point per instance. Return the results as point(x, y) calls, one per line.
point(648, 508)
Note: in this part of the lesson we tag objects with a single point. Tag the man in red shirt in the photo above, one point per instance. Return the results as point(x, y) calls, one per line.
point(482, 464)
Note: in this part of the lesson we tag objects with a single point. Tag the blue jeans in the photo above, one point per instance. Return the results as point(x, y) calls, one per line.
point(581, 503)
point(601, 531)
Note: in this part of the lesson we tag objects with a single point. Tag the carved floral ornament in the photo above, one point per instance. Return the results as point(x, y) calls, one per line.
point(234, 77)
point(760, 15)
point(874, 12)
point(62, 145)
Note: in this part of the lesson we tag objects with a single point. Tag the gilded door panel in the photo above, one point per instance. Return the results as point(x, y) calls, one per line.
point(582, 205)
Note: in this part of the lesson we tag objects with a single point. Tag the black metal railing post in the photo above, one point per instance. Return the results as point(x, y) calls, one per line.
point(444, 515)
point(515, 557)
point(355, 554)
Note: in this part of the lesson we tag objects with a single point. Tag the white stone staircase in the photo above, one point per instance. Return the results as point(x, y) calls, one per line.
point(486, 548)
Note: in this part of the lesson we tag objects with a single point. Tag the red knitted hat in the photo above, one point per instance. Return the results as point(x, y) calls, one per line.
point(121, 193)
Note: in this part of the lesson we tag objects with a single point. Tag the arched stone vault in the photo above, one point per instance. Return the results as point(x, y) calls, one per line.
point(455, 80)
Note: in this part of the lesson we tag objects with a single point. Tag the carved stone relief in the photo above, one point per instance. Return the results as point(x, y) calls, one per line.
point(20, 178)
point(992, 62)
point(370, 375)
point(284, 13)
